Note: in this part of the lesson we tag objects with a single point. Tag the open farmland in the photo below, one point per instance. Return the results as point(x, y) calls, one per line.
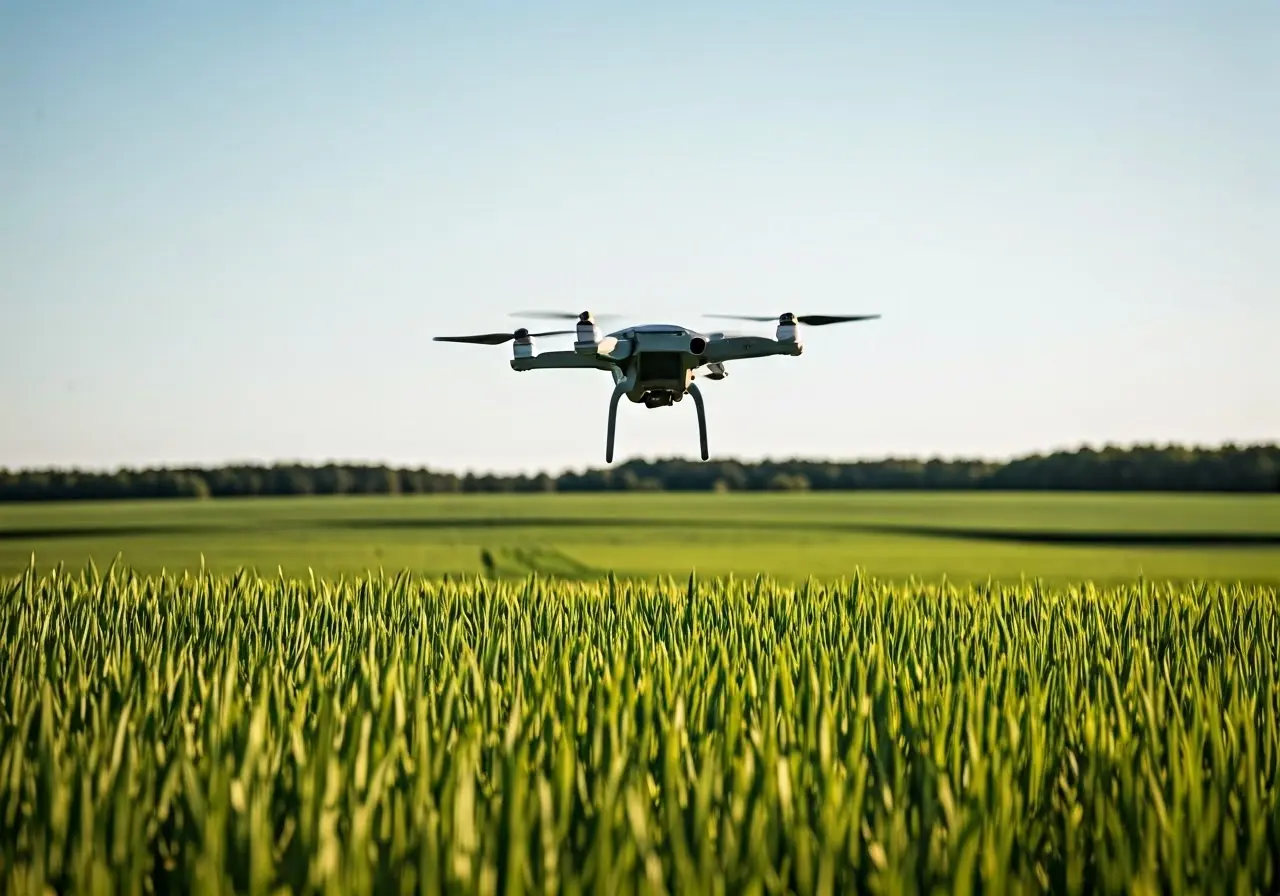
point(210, 733)
point(892, 535)
point(891, 693)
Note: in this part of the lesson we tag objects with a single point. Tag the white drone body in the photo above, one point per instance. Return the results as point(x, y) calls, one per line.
point(654, 364)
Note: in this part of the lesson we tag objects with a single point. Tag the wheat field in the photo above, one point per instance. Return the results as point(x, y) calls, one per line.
point(215, 733)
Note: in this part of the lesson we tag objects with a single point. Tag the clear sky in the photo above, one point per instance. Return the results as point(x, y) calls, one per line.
point(228, 231)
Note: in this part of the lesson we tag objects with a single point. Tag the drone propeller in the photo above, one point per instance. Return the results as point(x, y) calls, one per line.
point(566, 315)
point(498, 338)
point(812, 320)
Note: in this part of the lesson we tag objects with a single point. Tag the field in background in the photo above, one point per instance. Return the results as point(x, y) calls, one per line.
point(894, 535)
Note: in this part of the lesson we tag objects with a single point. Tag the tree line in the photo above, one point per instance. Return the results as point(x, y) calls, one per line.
point(1229, 468)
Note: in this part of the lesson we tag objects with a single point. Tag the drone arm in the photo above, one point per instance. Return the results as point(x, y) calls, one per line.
point(561, 360)
point(738, 347)
point(613, 348)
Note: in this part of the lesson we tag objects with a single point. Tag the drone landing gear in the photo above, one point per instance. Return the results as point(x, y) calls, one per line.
point(618, 391)
point(621, 389)
point(702, 419)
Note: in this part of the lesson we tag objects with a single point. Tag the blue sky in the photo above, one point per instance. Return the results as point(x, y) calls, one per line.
point(229, 231)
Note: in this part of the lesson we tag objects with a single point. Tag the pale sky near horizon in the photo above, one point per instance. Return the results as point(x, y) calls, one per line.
point(229, 232)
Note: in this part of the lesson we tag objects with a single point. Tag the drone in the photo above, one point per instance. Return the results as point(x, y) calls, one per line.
point(654, 364)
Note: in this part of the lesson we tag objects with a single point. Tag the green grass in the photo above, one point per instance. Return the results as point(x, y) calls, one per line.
point(211, 734)
point(897, 536)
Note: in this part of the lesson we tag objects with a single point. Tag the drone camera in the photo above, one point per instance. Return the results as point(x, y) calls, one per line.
point(659, 399)
point(697, 345)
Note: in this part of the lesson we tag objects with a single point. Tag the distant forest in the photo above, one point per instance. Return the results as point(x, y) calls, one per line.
point(1229, 468)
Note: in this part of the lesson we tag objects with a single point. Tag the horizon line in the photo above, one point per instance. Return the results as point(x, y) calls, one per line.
point(282, 461)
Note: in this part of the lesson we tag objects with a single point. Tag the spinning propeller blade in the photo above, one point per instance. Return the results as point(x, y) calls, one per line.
point(565, 315)
point(497, 338)
point(812, 320)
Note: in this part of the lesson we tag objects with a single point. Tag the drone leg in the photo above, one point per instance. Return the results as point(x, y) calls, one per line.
point(618, 391)
point(702, 418)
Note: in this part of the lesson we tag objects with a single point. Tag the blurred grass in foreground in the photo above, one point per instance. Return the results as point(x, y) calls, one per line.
point(204, 733)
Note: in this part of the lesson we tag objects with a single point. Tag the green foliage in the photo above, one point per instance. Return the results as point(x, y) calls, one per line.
point(789, 482)
point(205, 733)
point(1229, 468)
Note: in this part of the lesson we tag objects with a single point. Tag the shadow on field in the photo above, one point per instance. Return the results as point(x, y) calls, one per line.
point(128, 531)
point(1126, 538)
point(1029, 536)
point(1120, 538)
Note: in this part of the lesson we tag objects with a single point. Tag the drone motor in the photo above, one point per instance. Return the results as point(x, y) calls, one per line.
point(788, 330)
point(588, 335)
point(522, 345)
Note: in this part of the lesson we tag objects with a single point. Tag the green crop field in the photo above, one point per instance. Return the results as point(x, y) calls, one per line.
point(964, 536)
point(216, 734)
point(892, 693)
